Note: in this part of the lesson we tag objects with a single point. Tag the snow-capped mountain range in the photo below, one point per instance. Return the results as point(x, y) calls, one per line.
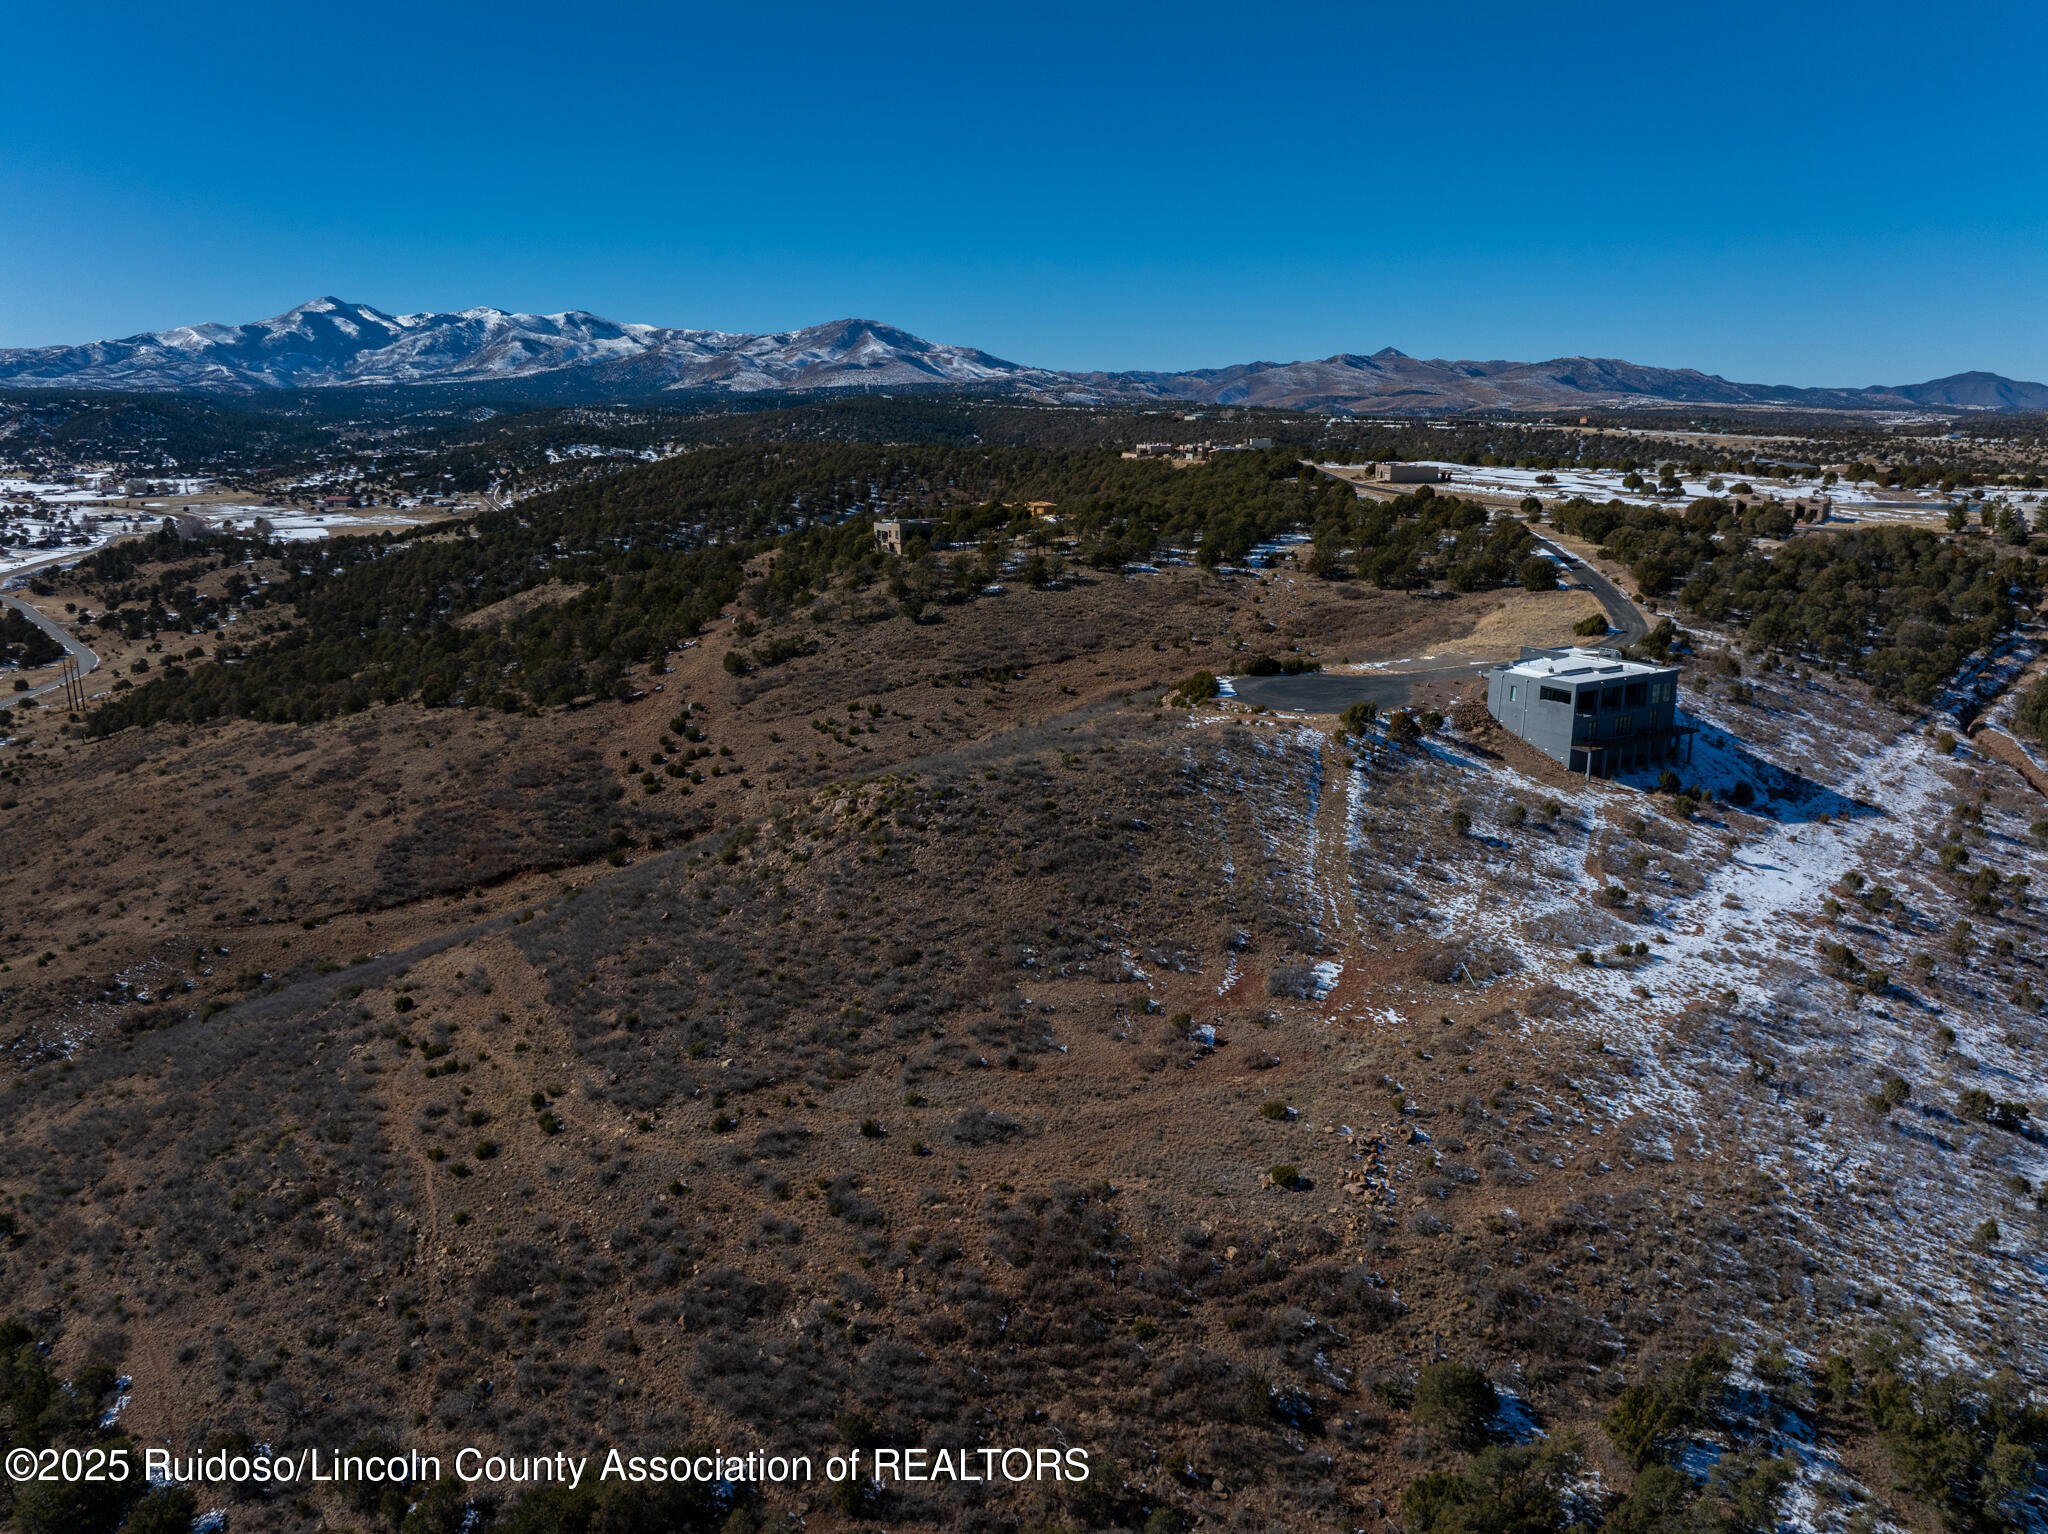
point(328, 343)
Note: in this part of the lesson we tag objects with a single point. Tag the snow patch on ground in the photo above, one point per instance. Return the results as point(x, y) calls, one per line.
point(1724, 1033)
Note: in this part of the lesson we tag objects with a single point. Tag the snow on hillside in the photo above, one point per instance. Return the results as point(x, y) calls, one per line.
point(1732, 1036)
point(328, 343)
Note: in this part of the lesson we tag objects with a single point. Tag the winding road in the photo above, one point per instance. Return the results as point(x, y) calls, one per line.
point(88, 661)
point(1331, 692)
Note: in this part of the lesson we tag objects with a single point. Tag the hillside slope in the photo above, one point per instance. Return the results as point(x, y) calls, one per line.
point(880, 1016)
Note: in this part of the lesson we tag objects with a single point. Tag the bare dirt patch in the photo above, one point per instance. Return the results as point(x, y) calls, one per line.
point(519, 604)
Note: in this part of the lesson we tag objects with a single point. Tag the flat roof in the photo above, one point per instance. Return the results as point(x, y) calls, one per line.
point(1579, 664)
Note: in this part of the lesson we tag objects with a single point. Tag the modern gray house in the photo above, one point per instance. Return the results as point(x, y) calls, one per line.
point(1590, 709)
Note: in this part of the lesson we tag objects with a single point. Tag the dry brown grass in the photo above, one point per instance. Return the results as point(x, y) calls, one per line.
point(1530, 618)
point(976, 921)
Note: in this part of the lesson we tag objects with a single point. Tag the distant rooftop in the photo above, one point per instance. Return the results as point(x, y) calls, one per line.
point(1580, 663)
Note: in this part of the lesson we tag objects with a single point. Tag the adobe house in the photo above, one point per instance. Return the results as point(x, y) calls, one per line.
point(895, 534)
point(1590, 709)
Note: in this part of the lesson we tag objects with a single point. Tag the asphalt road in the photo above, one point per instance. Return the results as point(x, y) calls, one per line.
point(87, 660)
point(1630, 620)
point(1318, 692)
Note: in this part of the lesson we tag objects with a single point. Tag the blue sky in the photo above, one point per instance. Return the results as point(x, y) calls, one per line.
point(1780, 193)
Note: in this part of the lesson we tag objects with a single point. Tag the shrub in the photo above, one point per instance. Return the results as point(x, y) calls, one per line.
point(1741, 1496)
point(169, 1511)
point(1274, 1108)
point(686, 1507)
point(1773, 1364)
point(2031, 712)
point(982, 1126)
point(1501, 1491)
point(1649, 1419)
point(1659, 1501)
point(1662, 641)
point(1197, 689)
point(1285, 1175)
point(1592, 626)
point(1979, 1105)
point(77, 1507)
point(1454, 1402)
point(1295, 980)
point(1968, 1446)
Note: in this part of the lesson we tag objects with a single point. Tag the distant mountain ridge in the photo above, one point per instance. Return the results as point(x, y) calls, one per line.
point(328, 343)
point(1392, 382)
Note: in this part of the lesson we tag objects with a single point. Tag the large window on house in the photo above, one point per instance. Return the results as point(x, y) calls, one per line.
point(1589, 701)
point(1611, 698)
point(1553, 695)
point(1625, 724)
point(1638, 694)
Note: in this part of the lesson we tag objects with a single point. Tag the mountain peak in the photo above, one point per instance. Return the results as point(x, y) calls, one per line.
point(330, 342)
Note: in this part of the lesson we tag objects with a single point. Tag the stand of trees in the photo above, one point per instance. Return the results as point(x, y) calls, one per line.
point(1417, 539)
point(656, 550)
point(24, 644)
point(1899, 606)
